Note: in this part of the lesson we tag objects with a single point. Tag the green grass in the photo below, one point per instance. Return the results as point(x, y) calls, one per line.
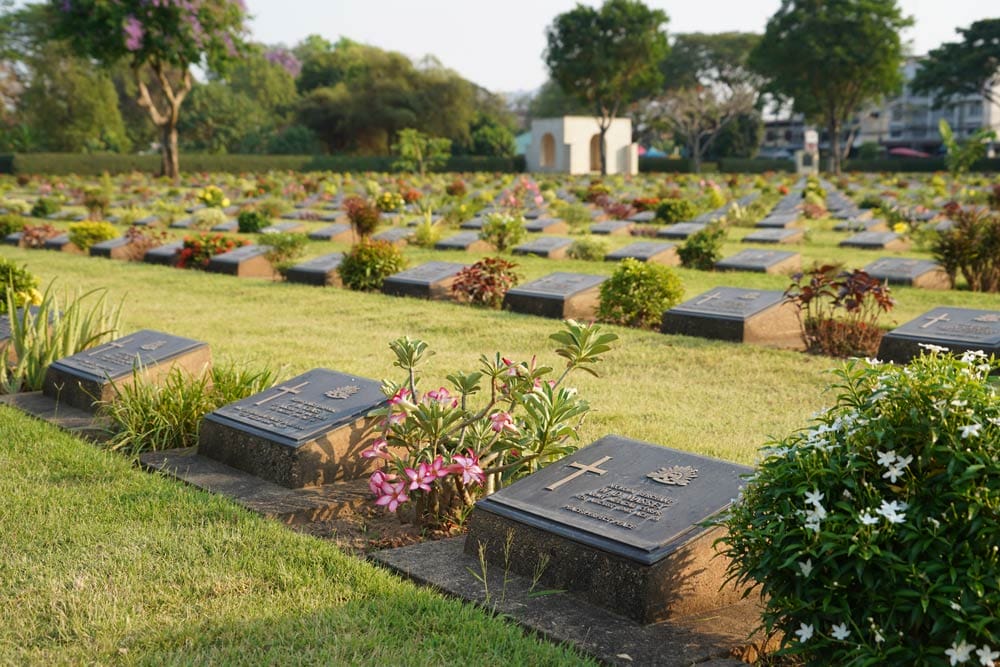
point(105, 564)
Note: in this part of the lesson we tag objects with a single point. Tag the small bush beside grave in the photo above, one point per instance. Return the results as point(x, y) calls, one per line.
point(85, 234)
point(638, 293)
point(703, 249)
point(198, 251)
point(486, 282)
point(18, 286)
point(873, 534)
point(368, 263)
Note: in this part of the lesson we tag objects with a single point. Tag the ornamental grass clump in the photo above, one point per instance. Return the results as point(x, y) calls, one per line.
point(873, 535)
point(442, 448)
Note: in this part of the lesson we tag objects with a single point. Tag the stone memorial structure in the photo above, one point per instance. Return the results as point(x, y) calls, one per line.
point(738, 315)
point(337, 232)
point(249, 261)
point(307, 431)
point(647, 251)
point(876, 241)
point(320, 271)
point(283, 228)
point(468, 241)
point(167, 254)
point(958, 329)
point(553, 247)
point(120, 248)
point(395, 235)
point(912, 272)
point(762, 261)
point(90, 376)
point(431, 280)
point(774, 235)
point(61, 243)
point(557, 295)
point(572, 144)
point(617, 523)
point(681, 230)
point(612, 228)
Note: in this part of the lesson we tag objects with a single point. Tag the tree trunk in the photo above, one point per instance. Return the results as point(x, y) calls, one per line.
point(604, 156)
point(833, 127)
point(696, 155)
point(169, 162)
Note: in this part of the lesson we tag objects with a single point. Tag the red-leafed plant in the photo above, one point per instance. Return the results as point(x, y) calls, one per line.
point(199, 250)
point(363, 214)
point(486, 282)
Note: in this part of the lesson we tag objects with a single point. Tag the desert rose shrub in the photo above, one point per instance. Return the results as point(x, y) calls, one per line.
point(874, 533)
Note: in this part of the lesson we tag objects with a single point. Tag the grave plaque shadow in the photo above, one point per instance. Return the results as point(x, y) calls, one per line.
point(958, 329)
point(90, 376)
point(431, 280)
point(307, 431)
point(557, 295)
point(618, 523)
point(739, 315)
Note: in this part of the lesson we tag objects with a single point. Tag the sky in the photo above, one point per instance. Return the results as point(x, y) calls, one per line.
point(499, 45)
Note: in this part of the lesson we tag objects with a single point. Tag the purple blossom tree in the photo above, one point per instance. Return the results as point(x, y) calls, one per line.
point(161, 40)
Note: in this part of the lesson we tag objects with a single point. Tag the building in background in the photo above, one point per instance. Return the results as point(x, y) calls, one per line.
point(572, 144)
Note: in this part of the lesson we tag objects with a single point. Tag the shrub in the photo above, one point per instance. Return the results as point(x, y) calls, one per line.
point(168, 212)
point(672, 210)
point(502, 230)
point(213, 197)
point(441, 450)
point(85, 234)
point(149, 416)
point(35, 236)
point(198, 251)
point(573, 214)
point(645, 203)
point(18, 286)
point(285, 248)
point(368, 263)
point(273, 207)
point(637, 294)
point(11, 223)
point(971, 247)
point(45, 206)
point(588, 248)
point(389, 201)
point(456, 188)
point(703, 249)
point(426, 233)
point(207, 218)
point(364, 215)
point(252, 220)
point(872, 534)
point(486, 282)
point(839, 310)
point(97, 201)
point(143, 239)
point(60, 327)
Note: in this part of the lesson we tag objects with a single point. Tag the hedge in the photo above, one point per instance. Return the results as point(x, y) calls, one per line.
point(87, 164)
point(899, 164)
point(736, 165)
point(665, 165)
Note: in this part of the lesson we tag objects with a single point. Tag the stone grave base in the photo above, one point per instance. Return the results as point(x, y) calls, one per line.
point(254, 267)
point(80, 423)
point(289, 506)
point(579, 306)
point(775, 327)
point(334, 456)
point(715, 638)
point(934, 280)
point(900, 349)
point(69, 389)
point(687, 581)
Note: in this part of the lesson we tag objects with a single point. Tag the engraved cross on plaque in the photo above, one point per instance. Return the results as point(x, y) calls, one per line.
point(943, 317)
point(581, 469)
point(282, 391)
point(710, 297)
point(104, 348)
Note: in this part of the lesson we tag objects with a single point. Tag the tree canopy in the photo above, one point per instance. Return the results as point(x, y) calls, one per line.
point(968, 67)
point(607, 57)
point(830, 57)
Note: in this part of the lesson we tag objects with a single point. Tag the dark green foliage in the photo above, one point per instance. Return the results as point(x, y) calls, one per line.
point(735, 165)
point(252, 220)
point(667, 165)
point(675, 210)
point(703, 249)
point(963, 68)
point(366, 266)
point(45, 206)
point(637, 294)
point(971, 247)
point(10, 223)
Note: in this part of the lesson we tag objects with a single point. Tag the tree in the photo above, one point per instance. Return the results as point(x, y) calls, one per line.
point(961, 156)
point(607, 57)
point(161, 41)
point(969, 67)
point(219, 119)
point(707, 58)
point(551, 101)
point(832, 56)
point(420, 152)
point(697, 114)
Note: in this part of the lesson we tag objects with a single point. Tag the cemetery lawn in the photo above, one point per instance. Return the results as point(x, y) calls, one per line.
point(103, 563)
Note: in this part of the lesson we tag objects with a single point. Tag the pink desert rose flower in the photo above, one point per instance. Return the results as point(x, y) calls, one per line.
point(441, 396)
point(393, 495)
point(401, 397)
point(502, 421)
point(378, 479)
point(421, 478)
point(468, 468)
point(438, 468)
point(378, 450)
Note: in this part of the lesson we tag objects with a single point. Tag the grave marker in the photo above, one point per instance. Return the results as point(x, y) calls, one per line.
point(432, 280)
point(318, 271)
point(167, 254)
point(84, 378)
point(739, 315)
point(558, 295)
point(338, 232)
point(958, 329)
point(774, 235)
point(307, 431)
point(647, 251)
point(876, 241)
point(681, 230)
point(553, 247)
point(913, 272)
point(618, 524)
point(612, 228)
point(468, 241)
point(547, 226)
point(249, 261)
point(395, 236)
point(61, 243)
point(762, 261)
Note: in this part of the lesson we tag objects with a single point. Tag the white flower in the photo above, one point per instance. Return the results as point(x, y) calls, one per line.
point(893, 473)
point(878, 637)
point(806, 567)
point(867, 519)
point(840, 631)
point(933, 348)
point(959, 653)
point(955, 606)
point(973, 355)
point(971, 430)
point(815, 497)
point(805, 632)
point(987, 657)
point(872, 361)
point(887, 458)
point(995, 421)
point(893, 512)
point(959, 403)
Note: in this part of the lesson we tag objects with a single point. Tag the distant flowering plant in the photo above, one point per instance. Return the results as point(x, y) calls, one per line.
point(441, 448)
point(213, 197)
point(874, 534)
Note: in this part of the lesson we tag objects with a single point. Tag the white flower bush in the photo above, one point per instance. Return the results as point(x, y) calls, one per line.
point(874, 534)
